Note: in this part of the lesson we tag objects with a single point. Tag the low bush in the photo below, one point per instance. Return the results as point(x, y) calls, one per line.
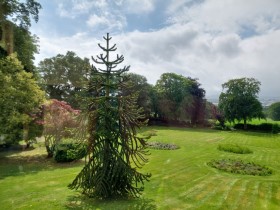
point(222, 128)
point(275, 128)
point(149, 133)
point(240, 167)
point(162, 146)
point(67, 152)
point(234, 148)
point(263, 127)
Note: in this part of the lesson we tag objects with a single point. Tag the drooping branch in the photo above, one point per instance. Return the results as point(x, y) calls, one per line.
point(113, 118)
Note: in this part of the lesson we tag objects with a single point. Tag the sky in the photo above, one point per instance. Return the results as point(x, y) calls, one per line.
point(211, 40)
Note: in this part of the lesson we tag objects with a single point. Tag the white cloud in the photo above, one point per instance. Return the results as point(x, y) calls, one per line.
point(95, 20)
point(230, 15)
point(204, 41)
point(63, 12)
point(227, 45)
point(138, 7)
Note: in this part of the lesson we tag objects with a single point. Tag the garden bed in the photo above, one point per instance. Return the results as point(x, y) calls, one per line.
point(240, 167)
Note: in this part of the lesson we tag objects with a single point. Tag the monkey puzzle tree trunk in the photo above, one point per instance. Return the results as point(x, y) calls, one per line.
point(115, 151)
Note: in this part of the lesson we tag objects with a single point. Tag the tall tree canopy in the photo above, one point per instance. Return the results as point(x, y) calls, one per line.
point(239, 101)
point(274, 111)
point(112, 118)
point(178, 98)
point(19, 97)
point(19, 12)
point(26, 46)
point(64, 76)
point(140, 86)
point(15, 20)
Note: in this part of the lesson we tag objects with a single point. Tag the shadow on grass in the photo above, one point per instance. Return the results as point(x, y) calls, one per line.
point(82, 202)
point(24, 162)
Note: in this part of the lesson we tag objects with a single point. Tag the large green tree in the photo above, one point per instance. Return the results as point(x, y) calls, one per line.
point(239, 100)
point(15, 20)
point(20, 96)
point(26, 46)
point(140, 86)
point(178, 98)
point(64, 77)
point(112, 119)
point(19, 12)
point(274, 111)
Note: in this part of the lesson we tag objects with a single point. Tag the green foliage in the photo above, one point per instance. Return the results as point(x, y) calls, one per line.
point(234, 148)
point(64, 77)
point(26, 46)
point(112, 119)
point(275, 128)
point(68, 152)
point(149, 133)
point(20, 13)
point(162, 146)
point(274, 111)
point(139, 85)
point(239, 101)
point(264, 127)
point(20, 96)
point(240, 167)
point(179, 98)
point(60, 119)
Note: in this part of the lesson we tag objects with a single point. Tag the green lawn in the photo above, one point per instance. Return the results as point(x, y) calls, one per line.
point(181, 179)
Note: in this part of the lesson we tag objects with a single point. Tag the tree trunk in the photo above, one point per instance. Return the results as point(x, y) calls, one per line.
point(26, 135)
point(245, 124)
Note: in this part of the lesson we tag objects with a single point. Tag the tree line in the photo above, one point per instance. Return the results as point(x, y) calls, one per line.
point(173, 99)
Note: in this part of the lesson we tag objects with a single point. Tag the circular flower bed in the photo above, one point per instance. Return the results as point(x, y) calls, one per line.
point(162, 146)
point(240, 167)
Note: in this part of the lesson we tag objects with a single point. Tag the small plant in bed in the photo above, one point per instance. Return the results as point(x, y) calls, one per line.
point(234, 148)
point(148, 134)
point(162, 146)
point(240, 167)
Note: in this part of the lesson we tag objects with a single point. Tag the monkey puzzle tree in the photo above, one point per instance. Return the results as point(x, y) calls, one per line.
point(115, 152)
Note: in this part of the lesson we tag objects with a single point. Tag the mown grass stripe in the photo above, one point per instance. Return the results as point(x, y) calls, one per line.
point(274, 199)
point(218, 200)
point(198, 188)
point(248, 198)
point(267, 196)
point(234, 196)
point(209, 193)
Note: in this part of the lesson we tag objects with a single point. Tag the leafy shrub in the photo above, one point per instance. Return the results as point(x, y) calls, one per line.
point(59, 119)
point(234, 148)
point(6, 140)
point(148, 134)
point(67, 152)
point(222, 128)
point(162, 146)
point(264, 127)
point(275, 128)
point(240, 167)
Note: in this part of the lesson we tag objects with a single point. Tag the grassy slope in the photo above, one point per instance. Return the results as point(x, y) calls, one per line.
point(181, 179)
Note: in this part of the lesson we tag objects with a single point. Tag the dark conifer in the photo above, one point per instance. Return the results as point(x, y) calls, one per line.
point(112, 119)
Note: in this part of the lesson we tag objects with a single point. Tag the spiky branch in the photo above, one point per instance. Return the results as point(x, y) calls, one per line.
point(112, 122)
